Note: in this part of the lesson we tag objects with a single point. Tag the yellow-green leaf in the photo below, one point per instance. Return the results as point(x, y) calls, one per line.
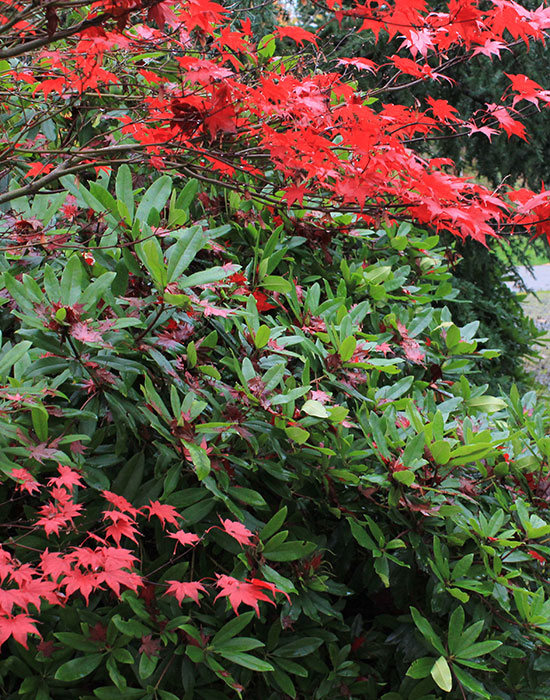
point(441, 673)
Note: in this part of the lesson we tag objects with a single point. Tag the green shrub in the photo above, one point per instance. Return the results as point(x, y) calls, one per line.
point(481, 278)
point(207, 414)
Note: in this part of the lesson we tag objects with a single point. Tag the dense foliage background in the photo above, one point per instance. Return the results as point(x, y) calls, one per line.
point(247, 443)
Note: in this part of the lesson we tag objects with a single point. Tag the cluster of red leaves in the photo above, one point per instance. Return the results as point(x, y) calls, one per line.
point(215, 111)
point(84, 570)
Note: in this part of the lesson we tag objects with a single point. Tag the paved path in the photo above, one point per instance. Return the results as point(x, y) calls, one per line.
point(539, 280)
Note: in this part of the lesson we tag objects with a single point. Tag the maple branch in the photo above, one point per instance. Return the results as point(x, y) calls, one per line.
point(25, 47)
point(63, 169)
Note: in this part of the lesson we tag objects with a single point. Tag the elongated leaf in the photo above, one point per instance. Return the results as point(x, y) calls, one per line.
point(125, 190)
point(232, 628)
point(456, 625)
point(72, 281)
point(274, 524)
point(156, 196)
point(441, 673)
point(151, 255)
point(421, 668)
point(298, 648)
point(248, 661)
point(214, 274)
point(262, 336)
point(347, 348)
point(427, 631)
point(93, 293)
point(479, 649)
point(183, 252)
point(361, 535)
point(200, 460)
point(238, 645)
point(470, 683)
point(76, 669)
point(11, 356)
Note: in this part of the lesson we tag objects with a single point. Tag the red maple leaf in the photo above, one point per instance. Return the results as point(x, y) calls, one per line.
point(511, 126)
point(67, 477)
point(297, 34)
point(527, 89)
point(248, 592)
point(184, 538)
point(116, 577)
point(38, 169)
point(58, 515)
point(18, 627)
point(119, 502)
point(361, 63)
point(442, 110)
point(238, 531)
point(54, 564)
point(78, 581)
point(185, 589)
point(221, 113)
point(33, 590)
point(27, 482)
point(295, 193)
point(122, 525)
point(164, 512)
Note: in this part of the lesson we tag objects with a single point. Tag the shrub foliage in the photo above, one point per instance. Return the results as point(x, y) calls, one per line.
point(243, 448)
point(266, 416)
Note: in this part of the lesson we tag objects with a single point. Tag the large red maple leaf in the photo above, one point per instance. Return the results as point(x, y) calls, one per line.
point(18, 627)
point(248, 592)
point(185, 589)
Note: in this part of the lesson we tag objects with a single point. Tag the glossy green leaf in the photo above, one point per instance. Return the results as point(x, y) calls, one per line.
point(76, 669)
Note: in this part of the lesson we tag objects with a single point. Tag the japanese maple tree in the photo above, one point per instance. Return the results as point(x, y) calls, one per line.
point(216, 104)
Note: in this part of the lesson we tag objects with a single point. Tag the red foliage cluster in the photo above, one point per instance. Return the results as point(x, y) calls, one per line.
point(105, 566)
point(342, 147)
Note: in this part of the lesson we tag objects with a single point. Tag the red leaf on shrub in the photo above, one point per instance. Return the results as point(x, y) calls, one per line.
point(115, 577)
point(297, 34)
point(238, 531)
point(26, 481)
point(119, 502)
point(18, 627)
point(123, 525)
point(56, 516)
point(185, 589)
point(261, 301)
point(248, 592)
point(149, 646)
point(38, 169)
point(84, 582)
point(184, 538)
point(33, 590)
point(81, 331)
point(221, 113)
point(46, 648)
point(67, 477)
point(164, 512)
point(54, 564)
point(536, 555)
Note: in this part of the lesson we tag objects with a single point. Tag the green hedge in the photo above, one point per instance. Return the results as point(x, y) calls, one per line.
point(208, 414)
